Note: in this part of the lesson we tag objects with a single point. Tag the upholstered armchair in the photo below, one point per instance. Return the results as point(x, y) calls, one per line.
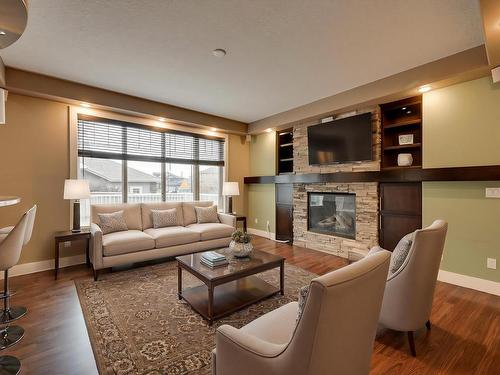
point(334, 334)
point(409, 292)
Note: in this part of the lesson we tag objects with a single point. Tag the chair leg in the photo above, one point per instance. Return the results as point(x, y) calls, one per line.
point(9, 365)
point(96, 274)
point(428, 325)
point(9, 314)
point(411, 341)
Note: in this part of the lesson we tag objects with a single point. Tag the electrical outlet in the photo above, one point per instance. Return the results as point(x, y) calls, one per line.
point(67, 243)
point(492, 193)
point(256, 221)
point(491, 263)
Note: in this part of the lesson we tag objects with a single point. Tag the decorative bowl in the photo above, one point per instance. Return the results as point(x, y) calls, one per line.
point(240, 250)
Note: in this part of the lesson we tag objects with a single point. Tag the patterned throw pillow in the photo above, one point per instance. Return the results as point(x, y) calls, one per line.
point(113, 222)
point(207, 214)
point(303, 292)
point(164, 218)
point(400, 252)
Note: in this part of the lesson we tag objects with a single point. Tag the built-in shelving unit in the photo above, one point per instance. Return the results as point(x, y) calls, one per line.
point(403, 117)
point(284, 152)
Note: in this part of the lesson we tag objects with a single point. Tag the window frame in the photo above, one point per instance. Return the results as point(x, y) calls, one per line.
point(145, 123)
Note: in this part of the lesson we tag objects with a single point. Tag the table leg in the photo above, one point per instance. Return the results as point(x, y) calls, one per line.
point(210, 304)
point(87, 253)
point(56, 258)
point(282, 278)
point(179, 281)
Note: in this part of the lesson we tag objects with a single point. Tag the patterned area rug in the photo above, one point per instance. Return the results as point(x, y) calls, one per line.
point(137, 325)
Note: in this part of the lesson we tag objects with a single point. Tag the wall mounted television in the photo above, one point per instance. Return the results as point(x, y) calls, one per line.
point(341, 141)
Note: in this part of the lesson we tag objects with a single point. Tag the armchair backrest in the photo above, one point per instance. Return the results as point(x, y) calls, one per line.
point(11, 246)
point(409, 292)
point(336, 331)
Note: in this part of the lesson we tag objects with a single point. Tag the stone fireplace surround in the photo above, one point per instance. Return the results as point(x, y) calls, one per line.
point(366, 194)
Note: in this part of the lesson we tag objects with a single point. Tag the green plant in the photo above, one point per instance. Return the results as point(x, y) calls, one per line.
point(241, 237)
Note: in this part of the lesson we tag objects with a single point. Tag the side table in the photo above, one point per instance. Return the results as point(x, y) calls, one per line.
point(71, 236)
point(243, 219)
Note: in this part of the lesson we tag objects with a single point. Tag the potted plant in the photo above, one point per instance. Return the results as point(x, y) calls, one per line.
point(241, 245)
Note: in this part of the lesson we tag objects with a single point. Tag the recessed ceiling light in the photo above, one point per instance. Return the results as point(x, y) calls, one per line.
point(219, 52)
point(403, 109)
point(423, 89)
point(408, 112)
point(2, 32)
point(269, 130)
point(85, 105)
point(162, 119)
point(213, 129)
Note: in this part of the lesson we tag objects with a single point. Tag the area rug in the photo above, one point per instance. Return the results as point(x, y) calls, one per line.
point(137, 325)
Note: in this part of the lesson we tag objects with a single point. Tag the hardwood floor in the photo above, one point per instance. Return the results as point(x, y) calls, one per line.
point(464, 339)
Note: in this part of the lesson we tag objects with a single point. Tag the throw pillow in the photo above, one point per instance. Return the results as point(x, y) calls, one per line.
point(207, 214)
point(303, 292)
point(164, 218)
point(113, 222)
point(401, 252)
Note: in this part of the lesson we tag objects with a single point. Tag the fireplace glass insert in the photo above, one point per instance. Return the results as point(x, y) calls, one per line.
point(332, 213)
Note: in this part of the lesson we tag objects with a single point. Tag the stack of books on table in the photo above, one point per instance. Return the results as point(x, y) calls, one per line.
point(213, 259)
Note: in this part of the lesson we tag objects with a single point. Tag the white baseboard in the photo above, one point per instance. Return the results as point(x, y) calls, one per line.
point(470, 282)
point(262, 233)
point(44, 265)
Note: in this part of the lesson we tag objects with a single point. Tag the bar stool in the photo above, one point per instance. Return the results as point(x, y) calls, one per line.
point(8, 313)
point(10, 251)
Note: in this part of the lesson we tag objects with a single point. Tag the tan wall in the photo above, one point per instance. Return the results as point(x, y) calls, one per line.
point(34, 164)
point(34, 154)
point(239, 167)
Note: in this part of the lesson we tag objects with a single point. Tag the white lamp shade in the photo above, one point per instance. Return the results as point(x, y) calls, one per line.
point(76, 189)
point(230, 189)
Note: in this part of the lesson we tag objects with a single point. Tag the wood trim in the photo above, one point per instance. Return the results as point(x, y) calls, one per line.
point(479, 173)
point(38, 85)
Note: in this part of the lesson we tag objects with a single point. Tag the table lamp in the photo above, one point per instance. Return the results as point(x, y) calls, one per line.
point(230, 189)
point(76, 190)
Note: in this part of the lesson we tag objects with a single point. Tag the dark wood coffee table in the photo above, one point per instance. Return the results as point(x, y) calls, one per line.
point(237, 285)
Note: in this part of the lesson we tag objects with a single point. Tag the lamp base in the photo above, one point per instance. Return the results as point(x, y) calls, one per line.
point(76, 217)
point(230, 205)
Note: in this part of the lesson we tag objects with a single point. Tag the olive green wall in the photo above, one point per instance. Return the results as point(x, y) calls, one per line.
point(462, 128)
point(261, 197)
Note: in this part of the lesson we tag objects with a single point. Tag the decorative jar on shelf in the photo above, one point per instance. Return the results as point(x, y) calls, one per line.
point(241, 245)
point(405, 160)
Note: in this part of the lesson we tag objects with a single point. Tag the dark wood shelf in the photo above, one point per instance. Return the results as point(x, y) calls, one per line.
point(286, 145)
point(287, 159)
point(396, 168)
point(401, 147)
point(392, 174)
point(284, 151)
point(402, 124)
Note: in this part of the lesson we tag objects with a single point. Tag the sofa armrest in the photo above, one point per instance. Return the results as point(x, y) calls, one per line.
point(228, 219)
point(96, 246)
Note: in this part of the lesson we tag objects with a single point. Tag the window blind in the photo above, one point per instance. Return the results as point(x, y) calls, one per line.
point(112, 139)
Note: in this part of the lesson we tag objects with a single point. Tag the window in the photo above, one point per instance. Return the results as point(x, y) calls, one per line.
point(126, 162)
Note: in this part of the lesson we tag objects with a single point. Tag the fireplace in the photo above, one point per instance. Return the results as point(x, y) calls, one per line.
point(332, 214)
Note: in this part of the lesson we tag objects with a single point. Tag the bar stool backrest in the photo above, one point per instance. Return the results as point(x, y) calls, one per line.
point(10, 248)
point(29, 225)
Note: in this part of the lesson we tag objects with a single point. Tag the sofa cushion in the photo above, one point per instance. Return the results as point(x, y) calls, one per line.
point(131, 212)
point(164, 218)
point(112, 222)
point(211, 231)
point(206, 214)
point(125, 242)
point(172, 236)
point(147, 218)
point(189, 212)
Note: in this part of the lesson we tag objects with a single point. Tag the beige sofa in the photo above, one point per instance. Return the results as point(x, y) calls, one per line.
point(143, 242)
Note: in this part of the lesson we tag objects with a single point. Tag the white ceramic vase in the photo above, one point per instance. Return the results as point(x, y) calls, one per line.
point(405, 160)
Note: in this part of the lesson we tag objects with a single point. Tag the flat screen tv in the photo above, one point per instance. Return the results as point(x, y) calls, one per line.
point(341, 141)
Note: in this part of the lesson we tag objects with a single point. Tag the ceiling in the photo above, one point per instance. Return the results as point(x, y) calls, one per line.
point(281, 53)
